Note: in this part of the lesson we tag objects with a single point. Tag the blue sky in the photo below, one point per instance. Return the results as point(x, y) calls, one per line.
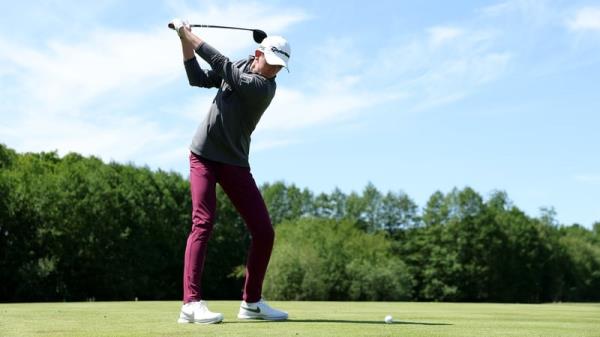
point(411, 96)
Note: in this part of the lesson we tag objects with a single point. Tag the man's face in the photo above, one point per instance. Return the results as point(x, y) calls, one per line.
point(261, 66)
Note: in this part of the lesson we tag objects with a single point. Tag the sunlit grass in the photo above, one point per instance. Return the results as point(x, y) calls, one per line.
point(306, 319)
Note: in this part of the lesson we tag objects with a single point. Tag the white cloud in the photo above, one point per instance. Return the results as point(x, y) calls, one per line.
point(440, 35)
point(543, 13)
point(262, 145)
point(252, 15)
point(294, 109)
point(339, 94)
point(588, 178)
point(525, 7)
point(112, 138)
point(535, 13)
point(67, 77)
point(85, 96)
point(499, 8)
point(82, 97)
point(90, 95)
point(586, 19)
point(432, 72)
point(441, 66)
point(418, 73)
point(458, 78)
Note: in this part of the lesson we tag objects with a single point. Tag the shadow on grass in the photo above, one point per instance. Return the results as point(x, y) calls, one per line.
point(338, 321)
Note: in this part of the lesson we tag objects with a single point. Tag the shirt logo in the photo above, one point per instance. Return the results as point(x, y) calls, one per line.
point(245, 79)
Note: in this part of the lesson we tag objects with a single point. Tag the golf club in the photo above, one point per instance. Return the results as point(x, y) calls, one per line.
point(257, 34)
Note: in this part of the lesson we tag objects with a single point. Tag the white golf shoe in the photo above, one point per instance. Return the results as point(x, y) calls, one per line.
point(197, 312)
point(260, 310)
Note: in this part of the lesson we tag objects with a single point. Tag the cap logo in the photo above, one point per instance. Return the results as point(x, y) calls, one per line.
point(276, 50)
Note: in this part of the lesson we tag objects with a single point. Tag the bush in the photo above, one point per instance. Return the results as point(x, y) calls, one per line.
point(322, 259)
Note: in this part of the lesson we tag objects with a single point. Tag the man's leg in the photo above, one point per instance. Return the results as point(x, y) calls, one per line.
point(240, 187)
point(202, 187)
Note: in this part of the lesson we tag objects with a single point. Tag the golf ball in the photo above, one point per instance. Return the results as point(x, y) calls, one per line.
point(388, 319)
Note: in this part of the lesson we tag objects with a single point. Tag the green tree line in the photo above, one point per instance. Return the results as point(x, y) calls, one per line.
point(76, 228)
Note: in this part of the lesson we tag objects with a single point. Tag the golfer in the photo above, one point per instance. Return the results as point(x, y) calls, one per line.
point(219, 154)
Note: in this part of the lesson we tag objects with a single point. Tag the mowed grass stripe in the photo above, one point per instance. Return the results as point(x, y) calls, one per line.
point(345, 319)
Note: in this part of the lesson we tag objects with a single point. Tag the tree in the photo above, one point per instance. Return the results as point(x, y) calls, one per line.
point(582, 277)
point(286, 202)
point(398, 211)
point(76, 228)
point(330, 206)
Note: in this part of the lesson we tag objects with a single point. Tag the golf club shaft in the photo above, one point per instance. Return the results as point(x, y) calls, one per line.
point(215, 26)
point(257, 34)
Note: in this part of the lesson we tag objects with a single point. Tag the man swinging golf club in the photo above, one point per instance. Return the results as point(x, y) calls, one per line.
point(219, 154)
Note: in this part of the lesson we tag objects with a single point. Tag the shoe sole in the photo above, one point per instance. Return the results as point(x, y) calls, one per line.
point(276, 318)
point(184, 321)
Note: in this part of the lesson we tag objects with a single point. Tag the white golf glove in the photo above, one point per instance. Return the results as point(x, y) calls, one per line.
point(177, 23)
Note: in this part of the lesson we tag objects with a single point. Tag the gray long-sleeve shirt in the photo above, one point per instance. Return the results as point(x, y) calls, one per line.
point(243, 97)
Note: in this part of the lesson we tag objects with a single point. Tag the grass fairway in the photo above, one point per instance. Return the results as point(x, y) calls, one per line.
point(325, 319)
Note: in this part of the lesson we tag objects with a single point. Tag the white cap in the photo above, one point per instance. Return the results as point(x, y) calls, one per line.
point(276, 49)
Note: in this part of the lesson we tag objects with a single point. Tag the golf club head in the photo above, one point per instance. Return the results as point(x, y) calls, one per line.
point(258, 35)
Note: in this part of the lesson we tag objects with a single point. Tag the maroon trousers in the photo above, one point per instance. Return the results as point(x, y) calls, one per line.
point(240, 187)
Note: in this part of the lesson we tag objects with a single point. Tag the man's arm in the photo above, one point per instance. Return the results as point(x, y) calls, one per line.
point(189, 42)
point(196, 76)
point(248, 85)
point(187, 47)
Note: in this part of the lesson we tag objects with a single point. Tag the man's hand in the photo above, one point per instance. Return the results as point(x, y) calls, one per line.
point(189, 41)
point(177, 23)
